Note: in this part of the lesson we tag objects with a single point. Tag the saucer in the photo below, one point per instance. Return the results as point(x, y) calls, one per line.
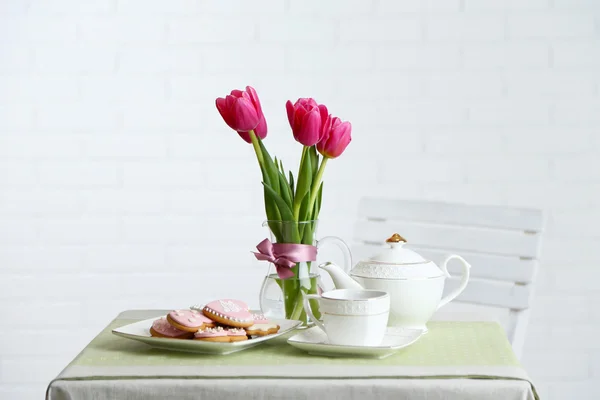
point(140, 331)
point(315, 342)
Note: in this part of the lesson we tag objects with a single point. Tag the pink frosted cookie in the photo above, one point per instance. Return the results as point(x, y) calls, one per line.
point(262, 326)
point(189, 320)
point(260, 318)
point(218, 334)
point(229, 312)
point(237, 334)
point(162, 328)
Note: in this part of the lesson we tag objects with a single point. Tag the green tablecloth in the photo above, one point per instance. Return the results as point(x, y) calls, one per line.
point(452, 354)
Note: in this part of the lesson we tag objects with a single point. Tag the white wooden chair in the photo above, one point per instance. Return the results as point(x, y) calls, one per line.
point(502, 245)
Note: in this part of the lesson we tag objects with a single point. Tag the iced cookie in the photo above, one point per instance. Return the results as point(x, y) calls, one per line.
point(259, 318)
point(262, 326)
point(229, 312)
point(237, 334)
point(162, 328)
point(218, 334)
point(189, 320)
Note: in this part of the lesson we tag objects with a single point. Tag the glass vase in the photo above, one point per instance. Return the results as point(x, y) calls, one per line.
point(283, 298)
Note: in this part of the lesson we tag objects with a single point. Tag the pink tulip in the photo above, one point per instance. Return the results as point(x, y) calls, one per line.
point(306, 119)
point(242, 112)
point(336, 138)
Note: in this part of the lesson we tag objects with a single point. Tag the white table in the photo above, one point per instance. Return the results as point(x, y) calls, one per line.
point(455, 360)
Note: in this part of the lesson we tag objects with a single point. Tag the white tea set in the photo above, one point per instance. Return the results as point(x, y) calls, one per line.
point(397, 289)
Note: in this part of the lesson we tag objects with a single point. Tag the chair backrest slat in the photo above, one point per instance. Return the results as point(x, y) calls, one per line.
point(451, 237)
point(487, 266)
point(492, 293)
point(521, 219)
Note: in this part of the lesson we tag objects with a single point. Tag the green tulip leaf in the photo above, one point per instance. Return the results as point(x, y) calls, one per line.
point(271, 209)
point(265, 174)
point(273, 214)
point(284, 209)
point(284, 187)
point(305, 213)
point(292, 184)
point(281, 171)
point(280, 165)
point(270, 166)
point(290, 192)
point(285, 191)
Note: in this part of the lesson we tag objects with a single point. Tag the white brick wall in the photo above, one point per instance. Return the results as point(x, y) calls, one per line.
point(117, 173)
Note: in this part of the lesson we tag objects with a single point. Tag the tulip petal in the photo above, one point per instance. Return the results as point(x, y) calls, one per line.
point(289, 107)
point(245, 115)
point(341, 146)
point(342, 139)
point(308, 102)
point(309, 132)
point(230, 101)
point(325, 122)
point(335, 122)
point(261, 128)
point(324, 113)
point(241, 111)
point(225, 111)
point(245, 136)
point(306, 117)
point(336, 139)
point(221, 103)
point(246, 96)
point(254, 98)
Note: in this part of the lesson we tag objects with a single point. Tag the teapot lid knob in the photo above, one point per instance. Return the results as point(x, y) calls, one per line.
point(395, 238)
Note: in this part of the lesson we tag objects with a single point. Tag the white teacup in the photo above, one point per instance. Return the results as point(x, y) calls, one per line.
point(352, 317)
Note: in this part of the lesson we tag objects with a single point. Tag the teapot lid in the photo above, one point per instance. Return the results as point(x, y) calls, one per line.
point(397, 262)
point(397, 253)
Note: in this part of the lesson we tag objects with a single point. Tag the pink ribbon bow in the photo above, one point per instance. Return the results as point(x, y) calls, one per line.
point(285, 255)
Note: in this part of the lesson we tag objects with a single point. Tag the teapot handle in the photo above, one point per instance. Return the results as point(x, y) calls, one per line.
point(463, 282)
point(342, 246)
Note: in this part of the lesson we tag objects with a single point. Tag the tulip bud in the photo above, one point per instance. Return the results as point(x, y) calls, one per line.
point(242, 112)
point(336, 137)
point(306, 119)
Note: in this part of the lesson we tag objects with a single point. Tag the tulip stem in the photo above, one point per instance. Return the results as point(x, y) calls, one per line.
point(315, 188)
point(297, 199)
point(256, 146)
point(302, 159)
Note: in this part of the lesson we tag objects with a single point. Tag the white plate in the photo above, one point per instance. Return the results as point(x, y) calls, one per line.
point(141, 331)
point(314, 341)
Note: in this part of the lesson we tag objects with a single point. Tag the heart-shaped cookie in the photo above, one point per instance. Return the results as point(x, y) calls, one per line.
point(229, 312)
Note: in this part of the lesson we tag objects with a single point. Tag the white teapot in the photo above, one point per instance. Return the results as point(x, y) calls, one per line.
point(415, 284)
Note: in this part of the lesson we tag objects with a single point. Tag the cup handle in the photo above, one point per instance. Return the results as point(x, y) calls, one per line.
point(342, 246)
point(463, 282)
point(308, 310)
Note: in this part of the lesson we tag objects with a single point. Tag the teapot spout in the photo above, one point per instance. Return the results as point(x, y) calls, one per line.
point(341, 279)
